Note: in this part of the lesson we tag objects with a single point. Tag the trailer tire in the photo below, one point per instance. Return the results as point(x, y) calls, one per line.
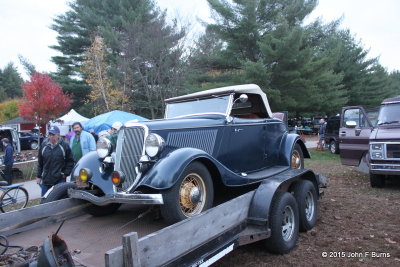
point(192, 194)
point(297, 157)
point(60, 191)
point(306, 196)
point(99, 211)
point(377, 180)
point(284, 223)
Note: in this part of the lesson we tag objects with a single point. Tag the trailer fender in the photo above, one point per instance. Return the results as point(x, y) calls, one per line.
point(262, 199)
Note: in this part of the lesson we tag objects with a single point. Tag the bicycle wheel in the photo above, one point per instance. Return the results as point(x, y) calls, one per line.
point(14, 199)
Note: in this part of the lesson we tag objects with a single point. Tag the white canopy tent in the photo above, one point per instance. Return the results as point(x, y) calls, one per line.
point(65, 122)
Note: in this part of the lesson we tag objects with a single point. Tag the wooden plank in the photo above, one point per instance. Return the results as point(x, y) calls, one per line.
point(52, 212)
point(130, 250)
point(171, 242)
point(114, 257)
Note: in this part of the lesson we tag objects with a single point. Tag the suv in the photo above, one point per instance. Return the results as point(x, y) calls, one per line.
point(332, 134)
point(209, 141)
point(371, 140)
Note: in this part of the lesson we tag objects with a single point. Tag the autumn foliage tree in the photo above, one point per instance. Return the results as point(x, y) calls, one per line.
point(43, 99)
point(9, 109)
point(104, 96)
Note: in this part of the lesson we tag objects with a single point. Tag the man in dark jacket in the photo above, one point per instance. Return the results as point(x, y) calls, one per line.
point(55, 161)
point(8, 159)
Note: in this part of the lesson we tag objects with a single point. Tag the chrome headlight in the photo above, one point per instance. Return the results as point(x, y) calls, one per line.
point(376, 146)
point(153, 145)
point(103, 147)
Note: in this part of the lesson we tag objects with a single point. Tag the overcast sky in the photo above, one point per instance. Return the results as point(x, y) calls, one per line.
point(25, 25)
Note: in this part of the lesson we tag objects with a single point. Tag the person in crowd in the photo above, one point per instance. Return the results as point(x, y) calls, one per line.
point(82, 142)
point(8, 159)
point(55, 161)
point(114, 132)
point(96, 137)
point(321, 133)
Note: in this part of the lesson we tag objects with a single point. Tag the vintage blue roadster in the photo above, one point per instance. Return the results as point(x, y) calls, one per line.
point(220, 138)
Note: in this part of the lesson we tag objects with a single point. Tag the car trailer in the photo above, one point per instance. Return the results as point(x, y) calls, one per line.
point(197, 241)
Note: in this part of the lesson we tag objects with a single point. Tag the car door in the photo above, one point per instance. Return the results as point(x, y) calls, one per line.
point(245, 146)
point(354, 132)
point(16, 142)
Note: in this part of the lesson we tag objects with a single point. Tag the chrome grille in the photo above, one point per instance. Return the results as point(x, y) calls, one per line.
point(393, 151)
point(129, 150)
point(201, 139)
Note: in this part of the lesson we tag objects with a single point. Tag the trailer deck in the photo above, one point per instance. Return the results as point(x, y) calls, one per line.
point(94, 236)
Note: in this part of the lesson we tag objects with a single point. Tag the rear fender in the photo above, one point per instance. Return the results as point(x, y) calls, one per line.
point(287, 147)
point(101, 178)
point(282, 182)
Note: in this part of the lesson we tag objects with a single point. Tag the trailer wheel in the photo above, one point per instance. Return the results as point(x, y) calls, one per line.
point(377, 180)
point(306, 197)
point(192, 194)
point(59, 191)
point(284, 223)
point(297, 158)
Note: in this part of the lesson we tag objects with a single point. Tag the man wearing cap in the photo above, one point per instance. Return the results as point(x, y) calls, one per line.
point(82, 142)
point(55, 161)
point(8, 160)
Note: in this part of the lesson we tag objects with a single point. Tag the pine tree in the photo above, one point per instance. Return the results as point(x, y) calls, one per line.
point(11, 81)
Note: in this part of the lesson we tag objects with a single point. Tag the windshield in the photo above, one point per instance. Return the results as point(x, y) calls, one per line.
point(389, 114)
point(216, 104)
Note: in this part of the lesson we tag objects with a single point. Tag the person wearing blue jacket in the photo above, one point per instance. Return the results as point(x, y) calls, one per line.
point(82, 142)
point(8, 160)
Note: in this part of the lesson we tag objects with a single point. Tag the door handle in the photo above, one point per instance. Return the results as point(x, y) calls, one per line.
point(342, 133)
point(238, 130)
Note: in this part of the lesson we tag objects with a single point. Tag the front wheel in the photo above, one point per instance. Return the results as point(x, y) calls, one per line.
point(306, 197)
point(297, 158)
point(284, 223)
point(192, 194)
point(14, 199)
point(377, 180)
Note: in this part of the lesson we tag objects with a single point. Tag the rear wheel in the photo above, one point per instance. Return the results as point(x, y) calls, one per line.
point(297, 158)
point(34, 145)
point(377, 180)
point(284, 223)
point(14, 199)
point(192, 194)
point(333, 147)
point(306, 197)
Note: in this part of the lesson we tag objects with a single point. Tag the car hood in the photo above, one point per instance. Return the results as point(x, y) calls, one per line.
point(185, 122)
point(387, 133)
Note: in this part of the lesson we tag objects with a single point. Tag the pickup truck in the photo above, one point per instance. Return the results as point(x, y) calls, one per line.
point(371, 140)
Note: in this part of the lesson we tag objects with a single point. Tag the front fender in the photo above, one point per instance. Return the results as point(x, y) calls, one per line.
point(100, 179)
point(287, 146)
point(166, 171)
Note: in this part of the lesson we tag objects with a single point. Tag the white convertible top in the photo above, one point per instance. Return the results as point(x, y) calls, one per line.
point(237, 89)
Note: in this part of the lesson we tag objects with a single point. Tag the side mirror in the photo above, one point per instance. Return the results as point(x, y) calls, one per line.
point(351, 124)
point(243, 98)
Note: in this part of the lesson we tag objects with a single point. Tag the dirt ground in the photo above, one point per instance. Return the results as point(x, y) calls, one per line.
point(357, 225)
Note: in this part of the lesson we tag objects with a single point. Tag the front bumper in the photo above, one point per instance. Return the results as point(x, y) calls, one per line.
point(388, 169)
point(140, 199)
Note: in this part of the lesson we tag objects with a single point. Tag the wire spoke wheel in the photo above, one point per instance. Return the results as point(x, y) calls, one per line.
point(192, 194)
point(14, 199)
